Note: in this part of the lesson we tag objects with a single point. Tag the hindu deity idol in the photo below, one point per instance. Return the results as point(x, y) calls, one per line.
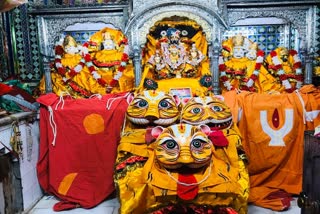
point(110, 62)
point(233, 71)
point(285, 66)
point(241, 67)
point(70, 73)
point(175, 57)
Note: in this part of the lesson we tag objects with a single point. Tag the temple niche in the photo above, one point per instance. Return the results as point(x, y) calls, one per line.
point(175, 58)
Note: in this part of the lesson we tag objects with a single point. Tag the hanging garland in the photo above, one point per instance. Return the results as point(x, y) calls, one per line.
point(74, 86)
point(86, 60)
point(122, 65)
point(89, 64)
point(255, 73)
point(277, 66)
point(223, 75)
point(62, 70)
point(250, 82)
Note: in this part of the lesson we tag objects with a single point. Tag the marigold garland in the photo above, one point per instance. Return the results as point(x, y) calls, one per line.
point(59, 51)
point(249, 81)
point(277, 66)
point(223, 75)
point(87, 60)
point(122, 65)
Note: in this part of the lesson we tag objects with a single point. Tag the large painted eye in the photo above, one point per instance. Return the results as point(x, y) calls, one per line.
point(170, 145)
point(164, 104)
point(196, 143)
point(142, 104)
point(196, 110)
point(217, 108)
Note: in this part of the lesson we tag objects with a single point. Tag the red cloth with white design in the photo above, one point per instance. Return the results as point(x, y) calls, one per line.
point(78, 142)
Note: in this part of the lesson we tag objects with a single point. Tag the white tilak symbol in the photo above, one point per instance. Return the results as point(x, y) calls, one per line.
point(277, 135)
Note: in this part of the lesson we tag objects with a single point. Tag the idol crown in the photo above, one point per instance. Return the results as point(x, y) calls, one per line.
point(283, 51)
point(253, 46)
point(238, 40)
point(69, 41)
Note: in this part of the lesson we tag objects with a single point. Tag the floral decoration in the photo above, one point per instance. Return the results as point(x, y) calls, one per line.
point(296, 66)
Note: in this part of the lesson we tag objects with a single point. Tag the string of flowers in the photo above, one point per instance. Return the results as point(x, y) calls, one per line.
point(223, 75)
point(75, 87)
point(255, 73)
point(62, 70)
point(120, 69)
point(123, 63)
point(282, 75)
point(297, 67)
point(85, 53)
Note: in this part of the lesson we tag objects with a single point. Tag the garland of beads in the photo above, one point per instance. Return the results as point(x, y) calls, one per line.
point(282, 75)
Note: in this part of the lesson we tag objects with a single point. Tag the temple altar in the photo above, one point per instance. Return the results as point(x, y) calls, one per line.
point(164, 100)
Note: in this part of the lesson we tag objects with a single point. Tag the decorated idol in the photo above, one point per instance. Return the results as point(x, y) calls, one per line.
point(110, 64)
point(241, 67)
point(285, 65)
point(175, 57)
point(233, 72)
point(70, 73)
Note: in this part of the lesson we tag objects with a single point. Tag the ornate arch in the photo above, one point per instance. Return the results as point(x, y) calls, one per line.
point(142, 20)
point(139, 25)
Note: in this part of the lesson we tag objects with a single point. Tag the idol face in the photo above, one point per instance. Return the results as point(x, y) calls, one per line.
point(238, 52)
point(252, 55)
point(71, 49)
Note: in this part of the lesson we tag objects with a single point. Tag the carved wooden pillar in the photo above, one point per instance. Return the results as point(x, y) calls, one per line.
point(137, 63)
point(214, 65)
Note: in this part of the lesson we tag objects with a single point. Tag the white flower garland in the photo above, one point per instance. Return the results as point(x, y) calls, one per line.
point(281, 73)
